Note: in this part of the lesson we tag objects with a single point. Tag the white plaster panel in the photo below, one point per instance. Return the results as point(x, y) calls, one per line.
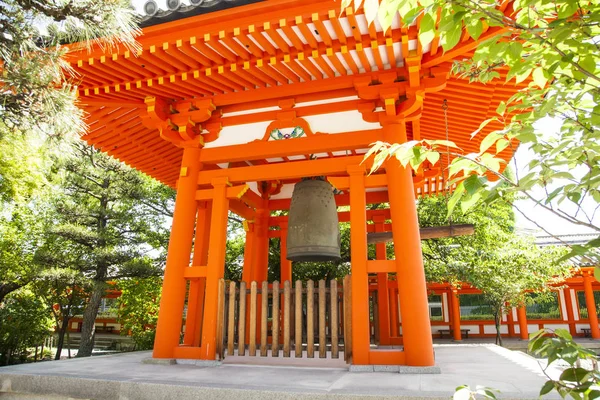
point(554, 326)
point(563, 304)
point(491, 329)
point(474, 329)
point(578, 327)
point(574, 305)
point(436, 328)
point(445, 307)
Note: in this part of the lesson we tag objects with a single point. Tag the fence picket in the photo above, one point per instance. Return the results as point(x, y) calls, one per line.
point(286, 319)
point(220, 318)
point(347, 319)
point(322, 304)
point(333, 319)
point(310, 320)
point(252, 344)
point(298, 324)
point(242, 321)
point(263, 318)
point(275, 326)
point(231, 320)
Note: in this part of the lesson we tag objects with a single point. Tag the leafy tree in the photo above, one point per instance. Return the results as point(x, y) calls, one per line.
point(24, 206)
point(64, 291)
point(24, 322)
point(555, 45)
point(21, 232)
point(503, 265)
point(109, 221)
point(137, 309)
point(37, 85)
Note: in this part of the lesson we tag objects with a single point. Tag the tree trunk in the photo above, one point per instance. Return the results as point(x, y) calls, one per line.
point(7, 288)
point(61, 336)
point(497, 321)
point(88, 326)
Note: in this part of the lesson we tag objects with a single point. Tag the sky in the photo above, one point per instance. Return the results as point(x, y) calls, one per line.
point(551, 222)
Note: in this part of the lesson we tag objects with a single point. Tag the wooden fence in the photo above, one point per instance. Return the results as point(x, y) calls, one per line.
point(278, 320)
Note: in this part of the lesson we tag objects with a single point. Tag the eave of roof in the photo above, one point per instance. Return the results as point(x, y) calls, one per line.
point(186, 11)
point(235, 55)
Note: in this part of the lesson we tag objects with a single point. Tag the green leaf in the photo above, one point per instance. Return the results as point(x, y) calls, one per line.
point(452, 37)
point(371, 7)
point(433, 157)
point(573, 374)
point(547, 388)
point(501, 108)
point(456, 196)
point(488, 141)
point(501, 145)
point(563, 333)
point(597, 273)
point(472, 184)
point(475, 28)
point(427, 30)
point(483, 125)
point(462, 393)
point(539, 78)
point(469, 201)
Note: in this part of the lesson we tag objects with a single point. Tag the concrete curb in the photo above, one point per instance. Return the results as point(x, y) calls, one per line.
point(61, 388)
point(402, 369)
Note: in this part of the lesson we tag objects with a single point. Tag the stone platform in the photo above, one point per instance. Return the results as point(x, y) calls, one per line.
point(125, 376)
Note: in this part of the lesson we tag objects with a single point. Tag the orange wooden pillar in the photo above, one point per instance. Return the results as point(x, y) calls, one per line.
point(215, 266)
point(285, 266)
point(247, 271)
point(261, 243)
point(522, 317)
point(455, 303)
point(591, 306)
point(383, 298)
point(412, 288)
point(394, 331)
point(510, 321)
point(570, 312)
point(193, 321)
point(361, 341)
point(169, 323)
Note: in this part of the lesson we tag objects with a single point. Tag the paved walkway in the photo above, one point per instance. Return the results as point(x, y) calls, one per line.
point(124, 376)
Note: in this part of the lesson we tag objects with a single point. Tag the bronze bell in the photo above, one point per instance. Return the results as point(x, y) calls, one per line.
point(313, 228)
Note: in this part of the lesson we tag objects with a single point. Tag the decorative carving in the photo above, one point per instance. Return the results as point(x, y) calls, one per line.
point(400, 98)
point(276, 133)
point(180, 124)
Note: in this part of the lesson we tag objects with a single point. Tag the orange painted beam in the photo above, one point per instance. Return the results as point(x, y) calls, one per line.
point(296, 169)
point(195, 272)
point(340, 200)
point(377, 266)
point(233, 192)
point(284, 148)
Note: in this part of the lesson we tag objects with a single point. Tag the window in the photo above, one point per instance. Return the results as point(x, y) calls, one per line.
point(474, 307)
point(583, 312)
point(107, 305)
point(435, 307)
point(543, 306)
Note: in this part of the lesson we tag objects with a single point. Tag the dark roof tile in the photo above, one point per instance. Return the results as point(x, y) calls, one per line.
point(185, 11)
